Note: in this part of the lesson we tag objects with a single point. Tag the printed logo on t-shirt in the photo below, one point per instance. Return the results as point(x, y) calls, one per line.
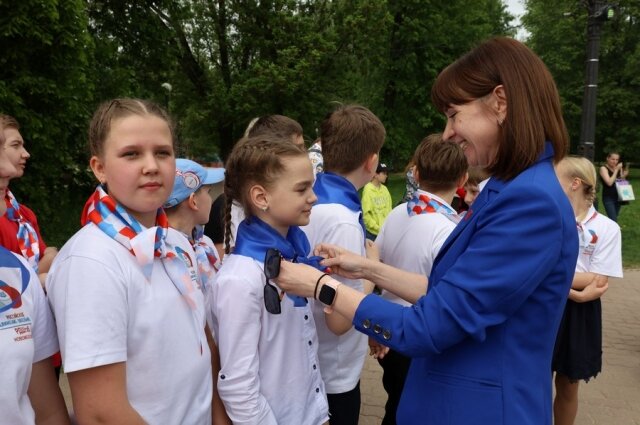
point(186, 259)
point(12, 320)
point(590, 246)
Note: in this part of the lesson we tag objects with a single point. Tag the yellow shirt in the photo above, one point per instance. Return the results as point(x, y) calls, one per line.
point(376, 206)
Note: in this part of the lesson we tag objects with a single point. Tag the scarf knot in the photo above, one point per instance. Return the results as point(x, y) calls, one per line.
point(255, 237)
point(27, 236)
point(145, 244)
point(208, 263)
point(421, 203)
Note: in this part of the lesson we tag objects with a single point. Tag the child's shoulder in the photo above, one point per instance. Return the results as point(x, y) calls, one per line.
point(91, 242)
point(240, 268)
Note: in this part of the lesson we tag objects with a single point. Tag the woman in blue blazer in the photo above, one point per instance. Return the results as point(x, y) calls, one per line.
point(482, 337)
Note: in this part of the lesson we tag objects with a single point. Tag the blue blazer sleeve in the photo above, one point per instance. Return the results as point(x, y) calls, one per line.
point(502, 255)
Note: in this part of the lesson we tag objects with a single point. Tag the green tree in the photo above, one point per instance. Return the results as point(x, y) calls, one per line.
point(425, 37)
point(44, 83)
point(558, 35)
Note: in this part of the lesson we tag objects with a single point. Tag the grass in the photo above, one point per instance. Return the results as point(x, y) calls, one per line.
point(628, 220)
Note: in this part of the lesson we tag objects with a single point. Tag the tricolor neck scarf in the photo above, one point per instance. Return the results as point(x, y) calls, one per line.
point(331, 188)
point(208, 263)
point(255, 237)
point(422, 203)
point(145, 244)
point(27, 235)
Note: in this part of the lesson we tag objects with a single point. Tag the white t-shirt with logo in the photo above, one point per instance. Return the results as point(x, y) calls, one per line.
point(107, 312)
point(27, 336)
point(600, 246)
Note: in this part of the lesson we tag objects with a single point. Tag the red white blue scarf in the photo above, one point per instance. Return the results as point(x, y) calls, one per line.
point(145, 244)
point(27, 235)
point(208, 263)
point(421, 203)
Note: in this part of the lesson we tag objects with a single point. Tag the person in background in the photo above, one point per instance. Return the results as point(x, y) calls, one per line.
point(315, 155)
point(612, 170)
point(19, 230)
point(214, 229)
point(411, 185)
point(29, 393)
point(471, 189)
point(376, 202)
point(412, 236)
point(578, 352)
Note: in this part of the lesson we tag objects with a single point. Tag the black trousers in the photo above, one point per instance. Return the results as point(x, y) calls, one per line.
point(344, 408)
point(395, 367)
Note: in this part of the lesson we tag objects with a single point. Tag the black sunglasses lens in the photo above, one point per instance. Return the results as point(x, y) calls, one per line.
point(271, 299)
point(272, 263)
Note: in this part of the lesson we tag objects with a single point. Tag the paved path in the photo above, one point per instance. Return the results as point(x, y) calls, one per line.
point(612, 398)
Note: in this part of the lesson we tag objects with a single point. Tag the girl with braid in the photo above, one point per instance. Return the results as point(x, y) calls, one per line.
point(267, 339)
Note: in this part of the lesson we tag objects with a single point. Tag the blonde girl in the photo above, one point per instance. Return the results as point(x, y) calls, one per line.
point(124, 289)
point(578, 351)
point(267, 339)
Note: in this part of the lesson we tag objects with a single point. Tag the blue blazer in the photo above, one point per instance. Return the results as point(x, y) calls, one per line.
point(481, 339)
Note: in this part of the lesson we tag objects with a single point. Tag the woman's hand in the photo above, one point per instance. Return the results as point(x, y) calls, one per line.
point(343, 262)
point(298, 279)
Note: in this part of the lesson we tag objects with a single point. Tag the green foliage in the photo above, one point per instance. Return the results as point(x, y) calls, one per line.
point(44, 83)
point(558, 35)
point(227, 61)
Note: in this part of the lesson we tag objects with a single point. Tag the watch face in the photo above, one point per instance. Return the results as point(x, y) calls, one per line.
point(327, 295)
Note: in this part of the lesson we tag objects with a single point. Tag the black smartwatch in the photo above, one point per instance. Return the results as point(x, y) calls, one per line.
point(327, 295)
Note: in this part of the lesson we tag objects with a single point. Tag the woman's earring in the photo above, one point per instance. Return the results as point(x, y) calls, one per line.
point(265, 208)
point(500, 121)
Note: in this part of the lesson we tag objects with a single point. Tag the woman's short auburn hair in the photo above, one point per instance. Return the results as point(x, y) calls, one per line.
point(534, 114)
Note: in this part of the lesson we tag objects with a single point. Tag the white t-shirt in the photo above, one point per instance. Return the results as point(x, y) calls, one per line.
point(269, 371)
point(27, 336)
point(411, 243)
point(107, 312)
point(601, 246)
point(341, 357)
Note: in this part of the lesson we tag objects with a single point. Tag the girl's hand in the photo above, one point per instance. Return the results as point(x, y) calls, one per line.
point(343, 262)
point(592, 291)
point(297, 279)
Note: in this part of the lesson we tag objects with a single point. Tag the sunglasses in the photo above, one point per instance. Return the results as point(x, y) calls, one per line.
point(272, 298)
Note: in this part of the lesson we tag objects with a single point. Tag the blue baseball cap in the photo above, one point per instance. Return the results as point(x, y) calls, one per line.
point(191, 176)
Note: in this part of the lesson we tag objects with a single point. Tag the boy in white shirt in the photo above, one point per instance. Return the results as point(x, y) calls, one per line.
point(188, 207)
point(412, 236)
point(351, 140)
